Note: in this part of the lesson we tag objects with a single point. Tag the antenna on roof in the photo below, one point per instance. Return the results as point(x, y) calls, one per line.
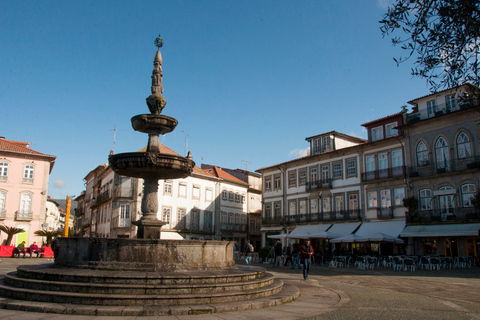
point(186, 135)
point(246, 164)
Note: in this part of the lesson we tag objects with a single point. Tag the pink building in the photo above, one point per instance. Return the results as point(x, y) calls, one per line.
point(24, 177)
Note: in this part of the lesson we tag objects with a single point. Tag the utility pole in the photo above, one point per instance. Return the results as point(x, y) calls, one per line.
point(186, 135)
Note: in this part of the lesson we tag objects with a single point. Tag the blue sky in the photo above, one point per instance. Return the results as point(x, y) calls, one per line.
point(247, 80)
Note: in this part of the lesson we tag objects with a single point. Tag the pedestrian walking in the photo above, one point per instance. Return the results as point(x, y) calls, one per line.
point(306, 252)
point(296, 256)
point(278, 254)
point(248, 253)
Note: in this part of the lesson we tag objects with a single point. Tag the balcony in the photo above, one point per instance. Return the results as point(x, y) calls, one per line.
point(101, 198)
point(318, 184)
point(23, 216)
point(384, 174)
point(233, 227)
point(272, 220)
point(431, 169)
point(342, 215)
point(439, 216)
point(440, 110)
point(385, 213)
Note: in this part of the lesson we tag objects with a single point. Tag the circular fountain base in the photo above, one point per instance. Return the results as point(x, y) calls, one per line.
point(145, 255)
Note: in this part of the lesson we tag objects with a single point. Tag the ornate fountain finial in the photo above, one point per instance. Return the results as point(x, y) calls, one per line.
point(156, 102)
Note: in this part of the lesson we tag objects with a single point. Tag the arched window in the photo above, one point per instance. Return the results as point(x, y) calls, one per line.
point(446, 202)
point(425, 199)
point(463, 146)
point(468, 193)
point(441, 154)
point(422, 154)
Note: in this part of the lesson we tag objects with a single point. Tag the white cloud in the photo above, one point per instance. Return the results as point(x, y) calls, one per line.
point(59, 183)
point(298, 153)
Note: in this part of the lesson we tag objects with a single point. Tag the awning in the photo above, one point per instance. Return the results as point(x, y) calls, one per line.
point(169, 235)
point(344, 228)
point(277, 236)
point(442, 230)
point(389, 228)
point(271, 228)
point(303, 232)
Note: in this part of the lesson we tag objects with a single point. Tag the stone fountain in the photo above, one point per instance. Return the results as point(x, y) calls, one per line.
point(147, 275)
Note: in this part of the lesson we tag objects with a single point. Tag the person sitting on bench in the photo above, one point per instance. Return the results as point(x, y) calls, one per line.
point(34, 249)
point(19, 249)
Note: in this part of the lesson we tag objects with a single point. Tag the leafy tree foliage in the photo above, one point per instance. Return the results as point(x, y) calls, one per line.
point(10, 231)
point(443, 35)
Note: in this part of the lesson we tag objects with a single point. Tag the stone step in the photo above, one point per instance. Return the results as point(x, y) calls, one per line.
point(289, 293)
point(50, 272)
point(13, 280)
point(138, 300)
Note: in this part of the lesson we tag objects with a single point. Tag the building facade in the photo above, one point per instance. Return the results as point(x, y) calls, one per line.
point(24, 175)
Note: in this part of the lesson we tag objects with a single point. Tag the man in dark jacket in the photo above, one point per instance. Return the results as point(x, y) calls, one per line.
point(306, 254)
point(278, 254)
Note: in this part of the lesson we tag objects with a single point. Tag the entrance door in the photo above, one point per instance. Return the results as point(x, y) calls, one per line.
point(451, 249)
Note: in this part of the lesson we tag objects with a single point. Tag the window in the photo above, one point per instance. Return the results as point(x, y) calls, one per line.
point(28, 173)
point(167, 188)
point(398, 195)
point(196, 192)
point(302, 206)
point(370, 164)
point(25, 205)
point(292, 178)
point(224, 194)
point(277, 182)
point(468, 193)
point(277, 210)
point(3, 171)
point(268, 210)
point(313, 206)
point(377, 133)
point(3, 197)
point(167, 216)
point(292, 207)
point(195, 220)
point(208, 194)
point(231, 196)
point(182, 190)
point(383, 161)
point(431, 107)
point(339, 203)
point(372, 199)
point(446, 203)
point(124, 215)
point(450, 102)
point(397, 159)
point(463, 146)
point(422, 154)
point(268, 183)
point(181, 214)
point(313, 175)
point(302, 176)
point(391, 130)
point(230, 218)
point(353, 201)
point(337, 170)
point(242, 198)
point(237, 197)
point(326, 205)
point(325, 173)
point(425, 199)
point(385, 199)
point(208, 223)
point(441, 154)
point(223, 220)
point(351, 167)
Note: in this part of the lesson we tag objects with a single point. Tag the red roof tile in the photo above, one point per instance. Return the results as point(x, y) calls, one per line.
point(20, 147)
point(218, 172)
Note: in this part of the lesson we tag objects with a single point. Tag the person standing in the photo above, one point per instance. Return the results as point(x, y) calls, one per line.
point(278, 254)
point(288, 252)
point(248, 253)
point(307, 253)
point(295, 256)
point(56, 247)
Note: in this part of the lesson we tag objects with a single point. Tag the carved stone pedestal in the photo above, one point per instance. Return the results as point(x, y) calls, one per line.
point(149, 229)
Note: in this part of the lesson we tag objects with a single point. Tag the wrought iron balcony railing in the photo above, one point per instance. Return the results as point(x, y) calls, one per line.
point(318, 184)
point(21, 216)
point(342, 215)
point(448, 216)
point(384, 174)
point(444, 166)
